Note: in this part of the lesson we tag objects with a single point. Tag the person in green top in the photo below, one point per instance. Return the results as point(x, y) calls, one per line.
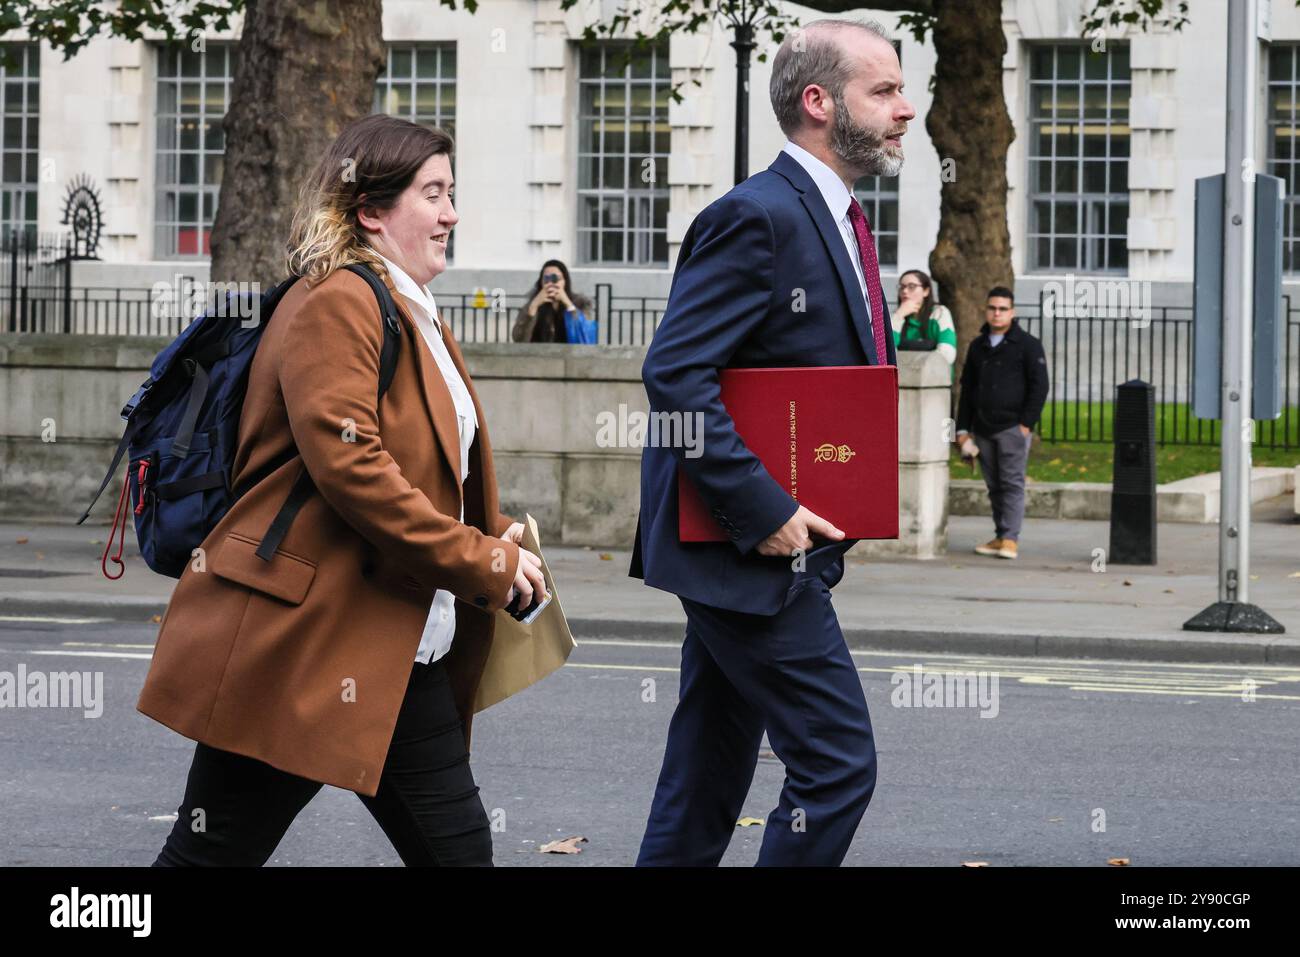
point(919, 322)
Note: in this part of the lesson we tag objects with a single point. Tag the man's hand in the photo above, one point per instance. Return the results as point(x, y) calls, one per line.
point(796, 532)
point(1025, 430)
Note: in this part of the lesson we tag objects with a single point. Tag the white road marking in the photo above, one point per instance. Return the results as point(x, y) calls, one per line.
point(53, 621)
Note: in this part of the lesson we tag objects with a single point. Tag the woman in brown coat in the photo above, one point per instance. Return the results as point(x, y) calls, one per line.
point(352, 657)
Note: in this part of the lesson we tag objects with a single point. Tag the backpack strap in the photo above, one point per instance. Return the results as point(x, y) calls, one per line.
point(132, 427)
point(303, 486)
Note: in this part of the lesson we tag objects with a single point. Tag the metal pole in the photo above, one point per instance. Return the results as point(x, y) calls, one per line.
point(743, 45)
point(1233, 612)
point(67, 285)
point(1238, 302)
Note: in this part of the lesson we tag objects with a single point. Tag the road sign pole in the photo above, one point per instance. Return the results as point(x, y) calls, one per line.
point(1233, 612)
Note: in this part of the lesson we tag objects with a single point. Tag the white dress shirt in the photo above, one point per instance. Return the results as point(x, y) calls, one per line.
point(440, 627)
point(837, 197)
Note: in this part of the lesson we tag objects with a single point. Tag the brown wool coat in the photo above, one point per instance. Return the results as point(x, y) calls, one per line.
point(303, 661)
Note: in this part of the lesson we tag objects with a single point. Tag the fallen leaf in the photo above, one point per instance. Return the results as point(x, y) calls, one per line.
point(21, 541)
point(156, 619)
point(1127, 583)
point(749, 821)
point(974, 863)
point(606, 557)
point(40, 554)
point(1118, 862)
point(567, 845)
point(1169, 591)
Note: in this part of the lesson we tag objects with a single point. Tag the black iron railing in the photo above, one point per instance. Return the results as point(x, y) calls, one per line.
point(1088, 355)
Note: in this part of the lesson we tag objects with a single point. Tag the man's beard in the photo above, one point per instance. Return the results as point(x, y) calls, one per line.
point(859, 147)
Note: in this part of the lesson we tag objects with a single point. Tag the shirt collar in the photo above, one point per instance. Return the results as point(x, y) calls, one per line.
point(412, 290)
point(828, 181)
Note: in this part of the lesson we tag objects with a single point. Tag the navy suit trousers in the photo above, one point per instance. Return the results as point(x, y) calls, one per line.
point(791, 675)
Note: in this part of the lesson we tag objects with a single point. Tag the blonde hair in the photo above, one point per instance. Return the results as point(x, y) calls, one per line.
point(370, 163)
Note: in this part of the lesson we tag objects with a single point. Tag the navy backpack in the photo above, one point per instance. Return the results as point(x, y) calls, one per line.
point(183, 423)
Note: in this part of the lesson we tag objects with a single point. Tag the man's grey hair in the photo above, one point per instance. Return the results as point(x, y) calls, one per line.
point(812, 54)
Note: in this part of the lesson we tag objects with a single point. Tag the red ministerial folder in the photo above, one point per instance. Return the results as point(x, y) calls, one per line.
point(827, 434)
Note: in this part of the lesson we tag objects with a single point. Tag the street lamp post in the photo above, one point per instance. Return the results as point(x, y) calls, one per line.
point(744, 16)
point(743, 44)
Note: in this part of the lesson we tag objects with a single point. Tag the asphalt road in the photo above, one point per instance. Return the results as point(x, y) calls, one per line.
point(1083, 762)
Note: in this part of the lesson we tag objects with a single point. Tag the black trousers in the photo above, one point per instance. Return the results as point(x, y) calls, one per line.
point(427, 802)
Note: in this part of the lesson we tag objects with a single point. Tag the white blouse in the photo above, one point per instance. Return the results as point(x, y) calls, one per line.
point(440, 627)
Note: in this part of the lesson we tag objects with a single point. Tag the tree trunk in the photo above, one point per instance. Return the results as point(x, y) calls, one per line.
point(969, 124)
point(306, 68)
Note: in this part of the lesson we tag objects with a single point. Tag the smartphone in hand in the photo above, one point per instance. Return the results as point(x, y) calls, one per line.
point(526, 615)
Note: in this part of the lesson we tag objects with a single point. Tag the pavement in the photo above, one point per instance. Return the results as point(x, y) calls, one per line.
point(1060, 598)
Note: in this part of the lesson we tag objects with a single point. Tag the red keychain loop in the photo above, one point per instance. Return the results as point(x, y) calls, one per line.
point(139, 486)
point(113, 529)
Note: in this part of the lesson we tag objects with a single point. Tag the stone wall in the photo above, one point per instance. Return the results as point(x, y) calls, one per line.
point(543, 404)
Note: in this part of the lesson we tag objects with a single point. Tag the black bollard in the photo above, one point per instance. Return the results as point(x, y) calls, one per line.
point(1133, 483)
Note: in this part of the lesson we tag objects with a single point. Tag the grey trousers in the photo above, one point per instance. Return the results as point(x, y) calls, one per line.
point(1003, 457)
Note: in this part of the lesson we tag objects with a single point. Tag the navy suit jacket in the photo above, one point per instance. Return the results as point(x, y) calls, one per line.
point(763, 279)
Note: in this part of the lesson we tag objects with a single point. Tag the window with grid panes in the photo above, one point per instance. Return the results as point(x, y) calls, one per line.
point(623, 146)
point(1079, 141)
point(20, 77)
point(1283, 126)
point(418, 83)
point(193, 89)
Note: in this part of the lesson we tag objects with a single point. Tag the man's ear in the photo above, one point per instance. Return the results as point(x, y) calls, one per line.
point(820, 102)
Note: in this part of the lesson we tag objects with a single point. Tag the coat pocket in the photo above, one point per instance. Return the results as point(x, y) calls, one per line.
point(286, 577)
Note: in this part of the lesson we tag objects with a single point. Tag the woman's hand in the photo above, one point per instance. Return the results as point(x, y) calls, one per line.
point(515, 533)
point(528, 579)
point(908, 307)
point(543, 295)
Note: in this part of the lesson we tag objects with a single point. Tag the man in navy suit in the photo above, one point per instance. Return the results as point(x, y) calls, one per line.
point(781, 271)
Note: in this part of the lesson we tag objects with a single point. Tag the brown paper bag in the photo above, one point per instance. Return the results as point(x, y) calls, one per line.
point(522, 654)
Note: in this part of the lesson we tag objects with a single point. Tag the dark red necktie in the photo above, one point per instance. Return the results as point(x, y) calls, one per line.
point(870, 272)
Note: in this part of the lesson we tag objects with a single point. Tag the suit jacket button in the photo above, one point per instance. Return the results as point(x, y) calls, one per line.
point(480, 600)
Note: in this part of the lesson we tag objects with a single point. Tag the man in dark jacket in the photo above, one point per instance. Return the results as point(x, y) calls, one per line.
point(1003, 388)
